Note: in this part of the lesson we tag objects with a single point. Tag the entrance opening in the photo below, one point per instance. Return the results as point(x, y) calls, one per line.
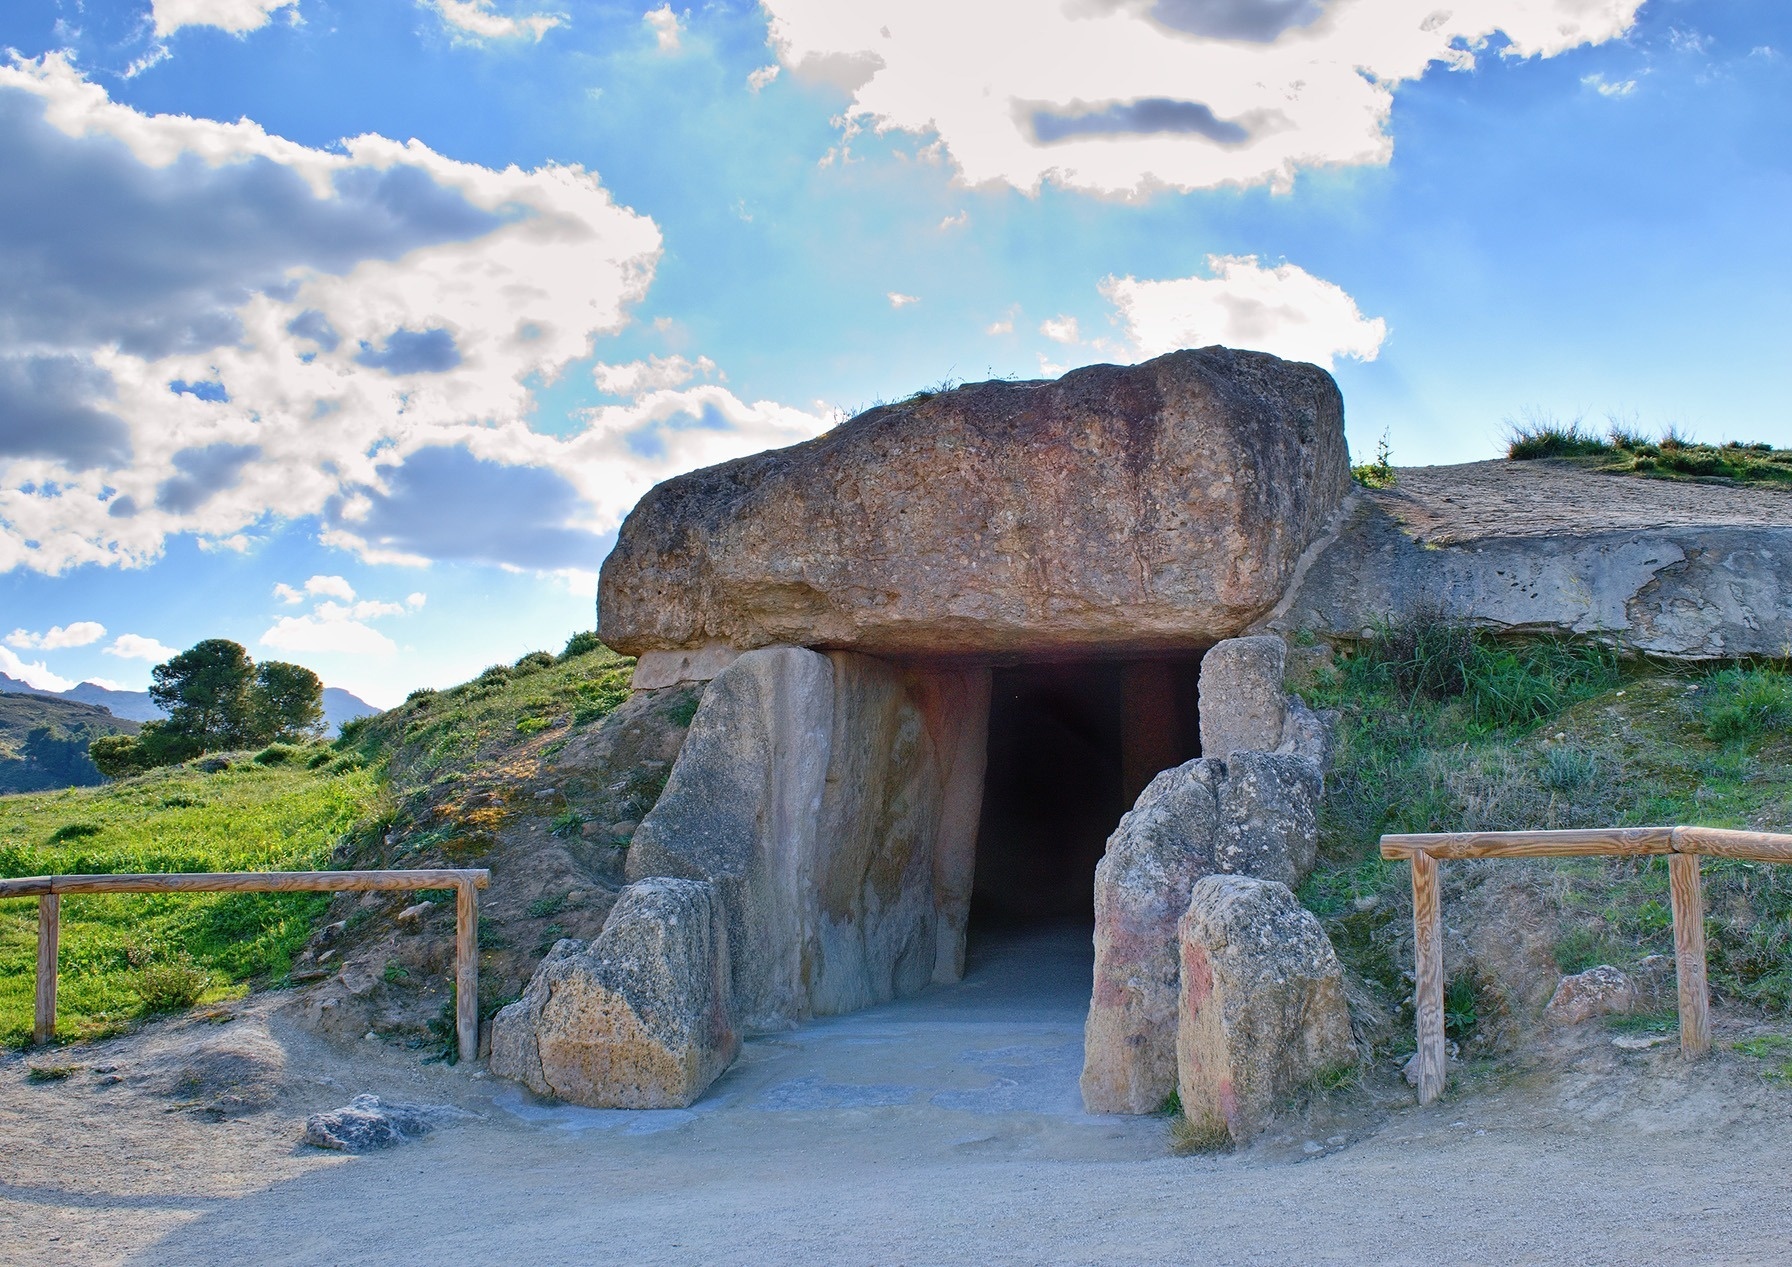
point(1071, 746)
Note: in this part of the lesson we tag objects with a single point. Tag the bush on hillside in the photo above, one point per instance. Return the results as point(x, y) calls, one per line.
point(582, 643)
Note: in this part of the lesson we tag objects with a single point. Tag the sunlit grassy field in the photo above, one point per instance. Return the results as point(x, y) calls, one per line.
point(127, 955)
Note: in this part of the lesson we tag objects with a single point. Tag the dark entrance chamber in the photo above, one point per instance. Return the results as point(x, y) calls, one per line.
point(1071, 745)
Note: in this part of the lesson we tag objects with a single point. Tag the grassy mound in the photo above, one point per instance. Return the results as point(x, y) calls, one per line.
point(125, 956)
point(1670, 457)
point(1445, 729)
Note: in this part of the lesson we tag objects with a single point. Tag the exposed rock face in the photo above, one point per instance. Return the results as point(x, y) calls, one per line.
point(1164, 504)
point(1269, 816)
point(637, 1019)
point(1242, 705)
point(1262, 1006)
point(832, 800)
point(1601, 991)
point(1692, 571)
point(1162, 846)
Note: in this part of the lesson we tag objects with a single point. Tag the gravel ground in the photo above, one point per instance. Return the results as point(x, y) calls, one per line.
point(943, 1129)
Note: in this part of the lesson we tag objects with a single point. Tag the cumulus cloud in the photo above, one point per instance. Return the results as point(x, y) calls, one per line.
point(476, 18)
point(207, 329)
point(1282, 309)
point(1060, 330)
point(635, 378)
point(758, 79)
point(236, 16)
point(331, 587)
point(138, 647)
point(1119, 97)
point(899, 300)
point(35, 673)
point(337, 633)
point(80, 633)
point(665, 26)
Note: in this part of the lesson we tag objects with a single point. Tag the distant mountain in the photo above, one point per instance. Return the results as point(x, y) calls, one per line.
point(62, 762)
point(339, 705)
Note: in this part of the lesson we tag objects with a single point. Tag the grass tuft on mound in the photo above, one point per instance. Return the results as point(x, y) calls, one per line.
point(1624, 450)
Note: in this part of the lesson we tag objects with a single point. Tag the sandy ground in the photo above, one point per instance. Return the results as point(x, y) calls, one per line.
point(1448, 505)
point(943, 1129)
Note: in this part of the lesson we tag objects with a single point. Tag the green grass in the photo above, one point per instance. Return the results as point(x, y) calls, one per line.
point(126, 956)
point(1443, 729)
point(1671, 456)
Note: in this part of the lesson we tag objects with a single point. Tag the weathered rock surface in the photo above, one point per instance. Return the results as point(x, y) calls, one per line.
point(1308, 733)
point(1162, 846)
point(1269, 816)
point(236, 1069)
point(1164, 504)
point(367, 1123)
point(832, 800)
point(636, 1019)
point(1242, 703)
point(1692, 571)
point(1601, 991)
point(1262, 1008)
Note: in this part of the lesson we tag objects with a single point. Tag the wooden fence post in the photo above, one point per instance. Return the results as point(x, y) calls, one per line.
point(1428, 976)
point(466, 969)
point(1689, 954)
point(49, 936)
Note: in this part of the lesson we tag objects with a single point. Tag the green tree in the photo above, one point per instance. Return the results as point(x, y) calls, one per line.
point(207, 692)
point(118, 756)
point(61, 756)
point(288, 702)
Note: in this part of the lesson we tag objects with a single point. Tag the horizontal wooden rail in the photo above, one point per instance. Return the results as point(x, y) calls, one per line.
point(466, 883)
point(1683, 846)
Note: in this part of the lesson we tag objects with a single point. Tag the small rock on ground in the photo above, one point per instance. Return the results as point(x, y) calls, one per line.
point(365, 1124)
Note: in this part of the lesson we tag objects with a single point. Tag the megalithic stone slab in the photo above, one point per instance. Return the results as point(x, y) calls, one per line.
point(1262, 1008)
point(636, 1019)
point(1242, 704)
point(1162, 504)
point(1162, 846)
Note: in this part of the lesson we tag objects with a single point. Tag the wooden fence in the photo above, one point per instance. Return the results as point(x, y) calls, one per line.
point(466, 883)
point(1683, 846)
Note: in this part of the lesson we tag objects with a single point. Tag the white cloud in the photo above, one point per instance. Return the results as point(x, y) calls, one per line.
point(195, 410)
point(899, 300)
point(636, 378)
point(287, 594)
point(1119, 97)
point(337, 633)
point(34, 674)
point(1607, 88)
point(1060, 330)
point(1285, 310)
point(137, 647)
point(331, 587)
point(475, 18)
point(665, 27)
point(415, 600)
point(236, 16)
point(763, 76)
point(81, 633)
point(955, 222)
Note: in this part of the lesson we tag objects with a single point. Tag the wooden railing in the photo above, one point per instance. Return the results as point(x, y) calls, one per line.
point(1683, 846)
point(466, 883)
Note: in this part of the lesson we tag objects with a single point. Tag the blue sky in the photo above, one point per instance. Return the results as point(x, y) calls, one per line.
point(351, 330)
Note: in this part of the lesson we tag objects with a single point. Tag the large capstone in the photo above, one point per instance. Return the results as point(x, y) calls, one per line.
point(1158, 505)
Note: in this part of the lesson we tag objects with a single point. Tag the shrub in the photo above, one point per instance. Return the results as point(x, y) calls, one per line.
point(582, 643)
point(276, 754)
point(533, 662)
point(1380, 472)
point(73, 831)
point(118, 756)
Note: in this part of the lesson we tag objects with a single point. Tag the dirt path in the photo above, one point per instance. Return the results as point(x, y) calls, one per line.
point(944, 1129)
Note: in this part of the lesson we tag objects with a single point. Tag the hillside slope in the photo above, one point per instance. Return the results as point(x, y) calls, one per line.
point(64, 763)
